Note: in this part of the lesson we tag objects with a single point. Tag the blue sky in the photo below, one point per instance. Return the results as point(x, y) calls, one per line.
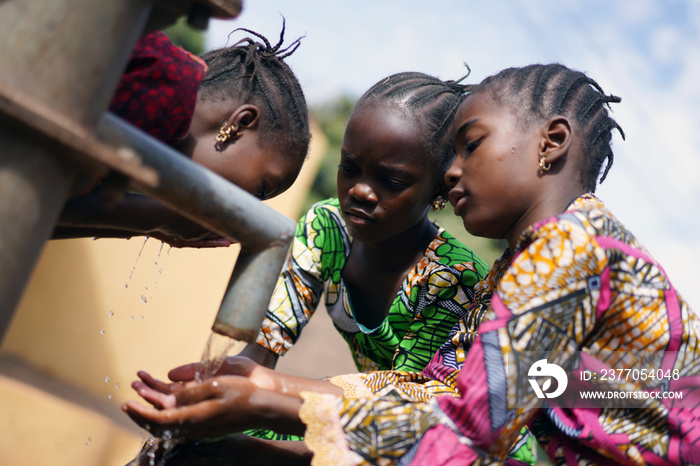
point(646, 51)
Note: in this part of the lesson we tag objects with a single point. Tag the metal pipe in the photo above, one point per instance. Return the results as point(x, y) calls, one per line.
point(34, 184)
point(208, 199)
point(68, 55)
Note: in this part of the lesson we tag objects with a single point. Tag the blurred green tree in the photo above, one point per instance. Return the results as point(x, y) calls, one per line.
point(186, 36)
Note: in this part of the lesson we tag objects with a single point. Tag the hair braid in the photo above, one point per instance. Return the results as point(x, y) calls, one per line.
point(253, 71)
point(537, 93)
point(426, 97)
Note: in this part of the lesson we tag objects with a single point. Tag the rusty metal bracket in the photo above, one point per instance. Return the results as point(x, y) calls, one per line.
point(88, 150)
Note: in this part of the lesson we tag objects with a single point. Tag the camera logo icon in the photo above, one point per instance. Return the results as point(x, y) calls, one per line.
point(541, 369)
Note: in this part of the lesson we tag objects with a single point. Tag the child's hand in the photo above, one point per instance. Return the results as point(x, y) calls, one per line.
point(260, 376)
point(207, 240)
point(211, 409)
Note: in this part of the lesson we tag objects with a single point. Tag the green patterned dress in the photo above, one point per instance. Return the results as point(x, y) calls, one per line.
point(433, 297)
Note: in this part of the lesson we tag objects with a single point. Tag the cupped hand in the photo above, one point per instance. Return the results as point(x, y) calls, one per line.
point(260, 376)
point(211, 409)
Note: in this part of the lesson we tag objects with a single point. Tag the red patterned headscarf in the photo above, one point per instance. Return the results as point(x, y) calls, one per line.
point(158, 90)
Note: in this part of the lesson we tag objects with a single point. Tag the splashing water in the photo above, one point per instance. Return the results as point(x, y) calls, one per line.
point(215, 352)
point(162, 265)
point(158, 449)
point(133, 267)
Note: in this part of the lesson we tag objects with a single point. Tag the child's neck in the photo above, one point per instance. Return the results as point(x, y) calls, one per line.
point(399, 252)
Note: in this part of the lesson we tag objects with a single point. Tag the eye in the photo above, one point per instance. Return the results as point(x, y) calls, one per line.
point(347, 169)
point(263, 193)
point(395, 185)
point(471, 146)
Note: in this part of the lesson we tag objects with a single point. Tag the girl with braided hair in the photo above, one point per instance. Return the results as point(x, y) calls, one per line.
point(239, 111)
point(395, 282)
point(574, 283)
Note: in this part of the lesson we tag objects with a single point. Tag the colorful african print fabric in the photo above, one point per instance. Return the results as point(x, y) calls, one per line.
point(578, 283)
point(432, 298)
point(158, 91)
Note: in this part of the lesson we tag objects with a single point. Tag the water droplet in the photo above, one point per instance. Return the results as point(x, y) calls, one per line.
point(142, 316)
point(109, 397)
point(94, 238)
point(102, 332)
point(144, 299)
point(116, 387)
point(132, 317)
point(107, 379)
point(88, 441)
point(111, 313)
point(215, 384)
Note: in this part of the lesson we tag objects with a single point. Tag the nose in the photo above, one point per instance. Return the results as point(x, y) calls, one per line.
point(452, 175)
point(363, 192)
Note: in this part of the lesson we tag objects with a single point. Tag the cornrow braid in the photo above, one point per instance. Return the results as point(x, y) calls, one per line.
point(426, 97)
point(253, 71)
point(537, 93)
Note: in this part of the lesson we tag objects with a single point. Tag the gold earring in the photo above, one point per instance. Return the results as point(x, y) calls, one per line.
point(543, 165)
point(439, 204)
point(226, 133)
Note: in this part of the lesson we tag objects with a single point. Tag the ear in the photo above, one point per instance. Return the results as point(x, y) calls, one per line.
point(556, 140)
point(244, 117)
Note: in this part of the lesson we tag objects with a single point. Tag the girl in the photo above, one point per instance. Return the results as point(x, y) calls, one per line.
point(573, 282)
point(247, 121)
point(393, 280)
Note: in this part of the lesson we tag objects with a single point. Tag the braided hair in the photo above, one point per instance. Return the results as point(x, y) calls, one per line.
point(429, 98)
point(537, 93)
point(255, 72)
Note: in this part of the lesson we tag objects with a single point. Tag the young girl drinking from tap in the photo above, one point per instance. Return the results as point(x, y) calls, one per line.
point(238, 111)
point(574, 282)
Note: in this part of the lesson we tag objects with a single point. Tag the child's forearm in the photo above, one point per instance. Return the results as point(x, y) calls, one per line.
point(277, 412)
point(293, 385)
point(136, 214)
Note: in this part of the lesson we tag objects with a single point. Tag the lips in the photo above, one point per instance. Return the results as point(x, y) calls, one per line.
point(458, 198)
point(358, 217)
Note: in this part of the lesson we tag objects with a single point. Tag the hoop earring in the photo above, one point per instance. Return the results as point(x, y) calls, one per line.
point(543, 165)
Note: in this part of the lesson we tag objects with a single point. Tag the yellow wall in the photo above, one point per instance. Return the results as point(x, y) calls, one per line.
point(79, 336)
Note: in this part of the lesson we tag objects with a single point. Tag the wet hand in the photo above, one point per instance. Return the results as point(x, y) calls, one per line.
point(260, 376)
point(214, 408)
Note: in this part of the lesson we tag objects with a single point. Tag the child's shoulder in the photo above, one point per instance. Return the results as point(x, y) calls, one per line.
point(322, 215)
point(450, 251)
point(325, 208)
point(586, 220)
